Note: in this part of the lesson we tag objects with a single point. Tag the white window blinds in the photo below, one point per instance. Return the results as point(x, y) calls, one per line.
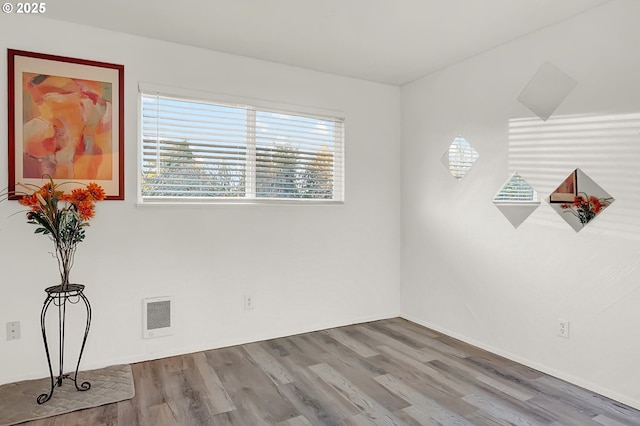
point(516, 189)
point(200, 150)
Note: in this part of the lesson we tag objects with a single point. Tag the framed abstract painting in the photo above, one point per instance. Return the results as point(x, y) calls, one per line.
point(66, 121)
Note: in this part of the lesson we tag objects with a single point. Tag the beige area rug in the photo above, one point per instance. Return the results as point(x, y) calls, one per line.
point(18, 400)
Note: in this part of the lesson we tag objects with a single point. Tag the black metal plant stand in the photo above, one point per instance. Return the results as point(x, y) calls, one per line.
point(60, 295)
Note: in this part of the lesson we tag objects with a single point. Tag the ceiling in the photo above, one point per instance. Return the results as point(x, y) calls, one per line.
point(388, 41)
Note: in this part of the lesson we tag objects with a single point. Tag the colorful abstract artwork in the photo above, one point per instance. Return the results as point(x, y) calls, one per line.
point(66, 121)
point(67, 128)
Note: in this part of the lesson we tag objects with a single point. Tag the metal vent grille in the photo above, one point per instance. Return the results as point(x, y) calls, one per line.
point(157, 317)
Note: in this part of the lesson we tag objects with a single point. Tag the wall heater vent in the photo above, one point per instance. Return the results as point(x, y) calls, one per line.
point(156, 315)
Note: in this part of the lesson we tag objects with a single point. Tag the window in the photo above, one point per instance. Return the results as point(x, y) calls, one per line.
point(195, 150)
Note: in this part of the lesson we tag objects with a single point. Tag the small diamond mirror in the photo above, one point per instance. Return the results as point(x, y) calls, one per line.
point(460, 157)
point(579, 200)
point(516, 199)
point(546, 91)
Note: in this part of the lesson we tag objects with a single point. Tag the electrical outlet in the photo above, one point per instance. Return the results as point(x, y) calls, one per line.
point(248, 303)
point(13, 330)
point(563, 328)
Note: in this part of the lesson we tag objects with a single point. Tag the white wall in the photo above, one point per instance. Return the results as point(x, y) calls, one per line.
point(466, 270)
point(307, 267)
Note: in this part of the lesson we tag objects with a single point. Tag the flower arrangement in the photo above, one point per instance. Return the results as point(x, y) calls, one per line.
point(61, 216)
point(586, 207)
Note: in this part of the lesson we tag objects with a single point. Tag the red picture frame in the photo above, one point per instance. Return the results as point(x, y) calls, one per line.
point(66, 121)
point(567, 191)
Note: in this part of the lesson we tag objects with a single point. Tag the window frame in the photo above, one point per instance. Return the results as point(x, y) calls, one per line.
point(150, 89)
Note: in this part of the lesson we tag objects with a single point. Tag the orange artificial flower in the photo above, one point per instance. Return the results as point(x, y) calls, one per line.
point(79, 195)
point(586, 207)
point(86, 210)
point(47, 191)
point(597, 205)
point(95, 191)
point(30, 201)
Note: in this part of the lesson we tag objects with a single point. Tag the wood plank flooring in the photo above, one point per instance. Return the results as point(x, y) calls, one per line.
point(389, 372)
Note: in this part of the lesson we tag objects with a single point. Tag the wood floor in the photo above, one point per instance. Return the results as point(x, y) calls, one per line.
point(389, 372)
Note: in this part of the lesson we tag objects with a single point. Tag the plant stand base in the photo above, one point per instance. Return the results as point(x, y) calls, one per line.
point(60, 296)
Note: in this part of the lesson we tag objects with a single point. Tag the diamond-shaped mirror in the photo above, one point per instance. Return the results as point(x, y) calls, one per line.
point(460, 157)
point(516, 199)
point(579, 200)
point(547, 89)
